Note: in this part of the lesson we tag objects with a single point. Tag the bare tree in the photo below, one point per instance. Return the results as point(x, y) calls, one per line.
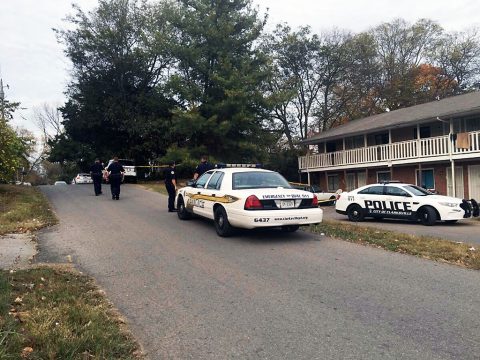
point(458, 55)
point(48, 120)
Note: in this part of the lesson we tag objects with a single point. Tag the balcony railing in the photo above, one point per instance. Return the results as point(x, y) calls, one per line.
point(422, 148)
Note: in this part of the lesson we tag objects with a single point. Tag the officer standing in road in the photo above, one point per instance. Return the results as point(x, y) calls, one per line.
point(171, 185)
point(96, 172)
point(202, 167)
point(115, 175)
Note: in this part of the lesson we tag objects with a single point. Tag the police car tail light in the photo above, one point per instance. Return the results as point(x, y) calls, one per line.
point(315, 200)
point(338, 196)
point(253, 203)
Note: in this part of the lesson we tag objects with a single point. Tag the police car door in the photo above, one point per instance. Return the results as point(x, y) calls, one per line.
point(197, 200)
point(398, 202)
point(372, 200)
point(212, 193)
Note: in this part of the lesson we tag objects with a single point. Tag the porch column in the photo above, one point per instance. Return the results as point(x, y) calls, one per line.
point(452, 162)
point(419, 149)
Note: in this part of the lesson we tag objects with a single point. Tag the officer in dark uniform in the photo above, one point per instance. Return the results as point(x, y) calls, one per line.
point(202, 167)
point(171, 185)
point(96, 172)
point(115, 175)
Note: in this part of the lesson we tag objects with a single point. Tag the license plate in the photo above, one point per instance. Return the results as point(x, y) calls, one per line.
point(285, 204)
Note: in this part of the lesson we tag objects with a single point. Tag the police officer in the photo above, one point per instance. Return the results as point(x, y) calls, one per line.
point(96, 172)
point(115, 174)
point(202, 167)
point(171, 185)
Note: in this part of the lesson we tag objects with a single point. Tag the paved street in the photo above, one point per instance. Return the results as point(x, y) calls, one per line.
point(467, 231)
point(189, 294)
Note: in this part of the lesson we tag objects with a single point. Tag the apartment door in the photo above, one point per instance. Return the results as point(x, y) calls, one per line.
point(459, 189)
point(361, 179)
point(474, 182)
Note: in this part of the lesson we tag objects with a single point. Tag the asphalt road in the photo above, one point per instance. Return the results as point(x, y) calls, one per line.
point(189, 294)
point(467, 230)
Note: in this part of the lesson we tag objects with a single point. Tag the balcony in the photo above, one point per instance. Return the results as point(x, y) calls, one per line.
point(412, 151)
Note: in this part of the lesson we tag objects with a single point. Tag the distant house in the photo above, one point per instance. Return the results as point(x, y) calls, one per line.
point(422, 144)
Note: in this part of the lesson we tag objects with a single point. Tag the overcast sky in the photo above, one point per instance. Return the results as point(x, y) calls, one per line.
point(33, 64)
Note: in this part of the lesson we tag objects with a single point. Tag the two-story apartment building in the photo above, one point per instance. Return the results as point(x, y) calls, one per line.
point(423, 144)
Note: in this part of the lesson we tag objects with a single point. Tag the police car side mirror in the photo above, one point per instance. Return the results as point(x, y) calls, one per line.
point(191, 183)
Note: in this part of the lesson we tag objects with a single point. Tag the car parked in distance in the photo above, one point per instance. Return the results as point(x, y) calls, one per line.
point(324, 197)
point(247, 197)
point(130, 170)
point(82, 178)
point(60, 183)
point(398, 200)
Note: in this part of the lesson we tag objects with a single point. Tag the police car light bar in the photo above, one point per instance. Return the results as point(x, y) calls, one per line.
point(390, 182)
point(222, 166)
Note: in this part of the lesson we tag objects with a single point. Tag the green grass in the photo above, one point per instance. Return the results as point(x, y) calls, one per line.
point(61, 315)
point(422, 246)
point(22, 209)
point(160, 186)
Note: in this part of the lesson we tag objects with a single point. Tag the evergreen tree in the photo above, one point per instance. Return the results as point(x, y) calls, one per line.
point(220, 71)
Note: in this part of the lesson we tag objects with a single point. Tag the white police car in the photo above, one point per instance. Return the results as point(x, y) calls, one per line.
point(247, 197)
point(403, 201)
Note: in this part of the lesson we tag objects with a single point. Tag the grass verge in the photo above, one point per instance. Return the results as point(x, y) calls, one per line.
point(160, 186)
point(422, 246)
point(154, 186)
point(56, 313)
point(22, 209)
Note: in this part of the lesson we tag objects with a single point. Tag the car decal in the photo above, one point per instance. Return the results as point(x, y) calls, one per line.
point(286, 196)
point(225, 199)
point(379, 207)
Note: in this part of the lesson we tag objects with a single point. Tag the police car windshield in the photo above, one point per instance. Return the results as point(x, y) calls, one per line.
point(416, 190)
point(258, 180)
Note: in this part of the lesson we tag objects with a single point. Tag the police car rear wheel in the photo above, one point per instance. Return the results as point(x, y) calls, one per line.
point(222, 226)
point(427, 216)
point(182, 212)
point(355, 213)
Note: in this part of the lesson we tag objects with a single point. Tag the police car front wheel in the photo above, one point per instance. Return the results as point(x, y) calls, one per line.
point(182, 212)
point(427, 215)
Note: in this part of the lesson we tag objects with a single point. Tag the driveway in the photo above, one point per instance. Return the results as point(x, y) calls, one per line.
point(465, 230)
point(189, 294)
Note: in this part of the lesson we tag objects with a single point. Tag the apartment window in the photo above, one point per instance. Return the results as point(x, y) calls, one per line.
point(425, 132)
point(381, 139)
point(333, 182)
point(384, 176)
point(331, 146)
point(354, 142)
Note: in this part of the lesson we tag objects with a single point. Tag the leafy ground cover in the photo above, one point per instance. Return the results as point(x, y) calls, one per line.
point(22, 209)
point(424, 246)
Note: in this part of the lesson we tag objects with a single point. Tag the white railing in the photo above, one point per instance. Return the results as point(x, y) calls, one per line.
point(404, 150)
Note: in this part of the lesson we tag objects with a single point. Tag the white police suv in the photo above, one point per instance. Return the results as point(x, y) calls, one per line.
point(238, 196)
point(403, 201)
